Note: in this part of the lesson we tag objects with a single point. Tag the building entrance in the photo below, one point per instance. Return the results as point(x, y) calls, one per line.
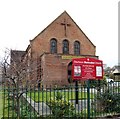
point(70, 72)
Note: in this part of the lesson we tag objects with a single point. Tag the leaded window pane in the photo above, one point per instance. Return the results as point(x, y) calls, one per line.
point(76, 48)
point(65, 47)
point(53, 46)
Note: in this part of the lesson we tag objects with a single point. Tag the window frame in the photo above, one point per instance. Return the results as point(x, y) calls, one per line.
point(53, 46)
point(65, 47)
point(77, 48)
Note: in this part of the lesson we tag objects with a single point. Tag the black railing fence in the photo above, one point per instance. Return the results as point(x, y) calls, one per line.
point(61, 102)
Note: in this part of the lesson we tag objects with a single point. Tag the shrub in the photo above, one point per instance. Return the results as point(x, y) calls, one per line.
point(60, 107)
point(109, 101)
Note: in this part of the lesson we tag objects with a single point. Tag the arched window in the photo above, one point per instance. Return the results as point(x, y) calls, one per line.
point(53, 45)
point(76, 48)
point(65, 47)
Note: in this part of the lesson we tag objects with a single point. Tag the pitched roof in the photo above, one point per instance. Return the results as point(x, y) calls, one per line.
point(16, 55)
point(64, 13)
point(117, 70)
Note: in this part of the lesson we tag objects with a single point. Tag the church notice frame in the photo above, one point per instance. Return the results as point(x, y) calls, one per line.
point(87, 68)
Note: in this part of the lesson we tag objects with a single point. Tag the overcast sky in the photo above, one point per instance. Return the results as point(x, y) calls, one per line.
point(22, 20)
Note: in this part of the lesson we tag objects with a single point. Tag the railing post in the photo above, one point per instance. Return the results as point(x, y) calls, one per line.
point(88, 99)
point(76, 92)
point(8, 102)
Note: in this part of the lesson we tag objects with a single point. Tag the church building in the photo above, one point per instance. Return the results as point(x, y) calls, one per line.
point(47, 59)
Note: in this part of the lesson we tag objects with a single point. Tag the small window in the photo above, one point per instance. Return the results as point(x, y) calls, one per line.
point(53, 45)
point(65, 47)
point(76, 48)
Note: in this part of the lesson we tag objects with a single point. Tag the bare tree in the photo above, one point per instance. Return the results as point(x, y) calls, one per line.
point(15, 73)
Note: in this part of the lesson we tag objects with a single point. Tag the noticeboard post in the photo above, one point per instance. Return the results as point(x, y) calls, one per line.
point(85, 69)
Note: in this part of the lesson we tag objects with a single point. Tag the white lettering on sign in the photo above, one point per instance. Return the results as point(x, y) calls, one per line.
point(85, 62)
point(78, 62)
point(89, 62)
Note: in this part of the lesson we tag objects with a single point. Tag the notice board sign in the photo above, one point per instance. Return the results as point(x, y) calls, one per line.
point(87, 68)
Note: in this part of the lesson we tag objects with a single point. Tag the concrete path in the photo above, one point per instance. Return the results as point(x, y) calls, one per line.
point(41, 108)
point(82, 104)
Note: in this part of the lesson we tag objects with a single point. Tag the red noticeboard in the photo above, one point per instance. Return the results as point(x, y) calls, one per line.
point(87, 68)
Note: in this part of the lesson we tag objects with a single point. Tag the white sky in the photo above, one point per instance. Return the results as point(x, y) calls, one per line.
point(22, 20)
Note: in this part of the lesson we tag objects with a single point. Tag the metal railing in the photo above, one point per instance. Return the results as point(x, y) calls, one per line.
point(61, 102)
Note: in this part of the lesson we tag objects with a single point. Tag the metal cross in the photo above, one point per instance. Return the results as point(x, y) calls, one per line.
point(65, 26)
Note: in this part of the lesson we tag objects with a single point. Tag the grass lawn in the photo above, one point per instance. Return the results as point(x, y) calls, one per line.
point(67, 95)
point(1, 105)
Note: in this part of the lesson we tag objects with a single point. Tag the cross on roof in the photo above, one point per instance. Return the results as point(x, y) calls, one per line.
point(65, 26)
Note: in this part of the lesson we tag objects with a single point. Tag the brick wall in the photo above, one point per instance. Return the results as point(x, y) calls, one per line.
point(41, 43)
point(53, 66)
